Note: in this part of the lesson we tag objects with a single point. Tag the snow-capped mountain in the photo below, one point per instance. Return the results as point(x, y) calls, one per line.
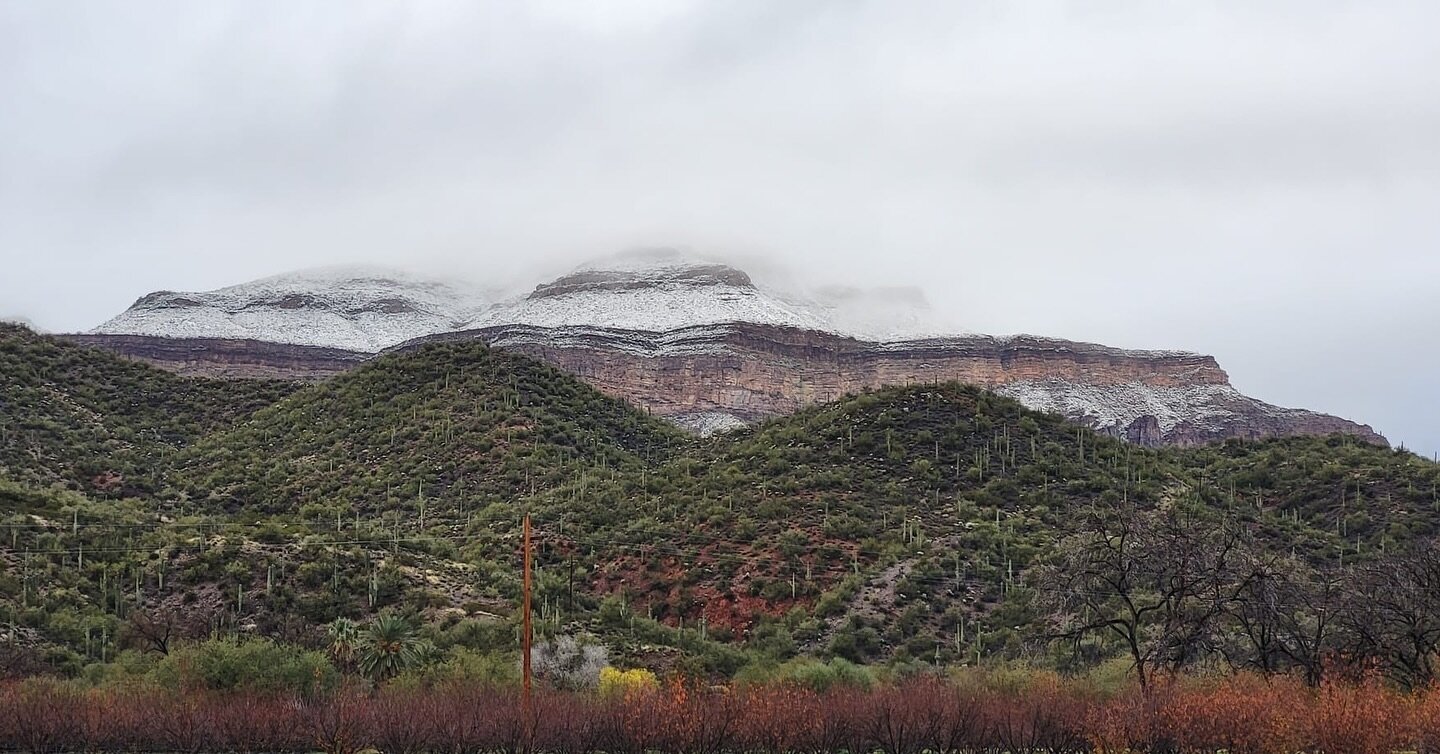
point(353, 308)
point(661, 290)
point(696, 340)
point(653, 290)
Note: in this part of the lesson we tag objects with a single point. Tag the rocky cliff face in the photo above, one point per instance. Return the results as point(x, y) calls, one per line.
point(715, 377)
point(702, 343)
point(228, 358)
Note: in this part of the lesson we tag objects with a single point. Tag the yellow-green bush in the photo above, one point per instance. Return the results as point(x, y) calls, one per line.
point(615, 682)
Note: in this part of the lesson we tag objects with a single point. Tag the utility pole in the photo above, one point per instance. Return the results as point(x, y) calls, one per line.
point(525, 635)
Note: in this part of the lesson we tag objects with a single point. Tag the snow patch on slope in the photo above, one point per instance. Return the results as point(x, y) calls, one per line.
point(659, 290)
point(1117, 406)
point(354, 308)
point(654, 290)
point(695, 341)
point(708, 423)
point(659, 307)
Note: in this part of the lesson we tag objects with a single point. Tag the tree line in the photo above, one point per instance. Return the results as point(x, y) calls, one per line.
point(1176, 589)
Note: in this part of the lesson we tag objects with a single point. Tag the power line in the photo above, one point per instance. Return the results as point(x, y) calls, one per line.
point(644, 549)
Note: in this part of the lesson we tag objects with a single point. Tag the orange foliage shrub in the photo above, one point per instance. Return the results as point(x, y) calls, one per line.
point(778, 719)
point(1136, 721)
point(1241, 714)
point(1360, 719)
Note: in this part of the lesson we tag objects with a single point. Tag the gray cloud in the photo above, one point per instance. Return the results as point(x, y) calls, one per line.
point(1254, 180)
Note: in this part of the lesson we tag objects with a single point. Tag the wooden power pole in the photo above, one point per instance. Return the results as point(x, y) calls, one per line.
point(525, 630)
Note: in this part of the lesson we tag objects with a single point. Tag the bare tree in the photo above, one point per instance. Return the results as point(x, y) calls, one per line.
point(155, 629)
point(1392, 614)
point(20, 661)
point(1197, 569)
point(567, 663)
point(1155, 580)
point(1287, 613)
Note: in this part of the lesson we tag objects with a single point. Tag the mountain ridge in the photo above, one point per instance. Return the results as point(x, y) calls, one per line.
point(755, 372)
point(399, 486)
point(353, 308)
point(704, 344)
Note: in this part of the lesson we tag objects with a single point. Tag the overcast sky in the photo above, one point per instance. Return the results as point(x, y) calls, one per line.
point(1255, 180)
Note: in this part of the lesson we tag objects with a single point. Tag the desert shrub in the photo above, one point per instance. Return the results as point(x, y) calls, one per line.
point(1364, 718)
point(810, 673)
point(40, 715)
point(777, 719)
point(683, 718)
point(404, 721)
point(251, 722)
point(1240, 714)
point(894, 725)
point(469, 666)
point(339, 723)
point(619, 683)
point(255, 665)
point(1134, 721)
point(567, 663)
point(1425, 721)
point(1046, 716)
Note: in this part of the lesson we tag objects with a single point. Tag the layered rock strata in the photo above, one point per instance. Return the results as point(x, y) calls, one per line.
point(715, 377)
point(228, 358)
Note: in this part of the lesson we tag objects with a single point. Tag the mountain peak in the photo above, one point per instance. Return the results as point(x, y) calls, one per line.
point(603, 279)
point(350, 307)
point(666, 328)
point(655, 289)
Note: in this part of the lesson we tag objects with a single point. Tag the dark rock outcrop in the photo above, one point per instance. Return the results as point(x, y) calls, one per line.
point(210, 357)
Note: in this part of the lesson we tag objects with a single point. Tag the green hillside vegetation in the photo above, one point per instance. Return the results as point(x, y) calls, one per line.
point(902, 523)
point(431, 435)
point(88, 420)
point(906, 525)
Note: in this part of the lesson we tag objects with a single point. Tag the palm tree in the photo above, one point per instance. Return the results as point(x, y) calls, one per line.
point(344, 636)
point(388, 646)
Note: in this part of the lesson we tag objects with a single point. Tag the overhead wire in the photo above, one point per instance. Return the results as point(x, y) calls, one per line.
point(641, 549)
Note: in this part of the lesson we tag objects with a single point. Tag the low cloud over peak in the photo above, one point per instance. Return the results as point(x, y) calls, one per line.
point(1256, 181)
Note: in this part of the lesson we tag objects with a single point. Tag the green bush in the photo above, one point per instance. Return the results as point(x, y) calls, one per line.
point(246, 665)
point(808, 672)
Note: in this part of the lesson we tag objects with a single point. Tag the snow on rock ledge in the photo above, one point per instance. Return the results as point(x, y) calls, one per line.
point(663, 290)
point(351, 308)
point(370, 309)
